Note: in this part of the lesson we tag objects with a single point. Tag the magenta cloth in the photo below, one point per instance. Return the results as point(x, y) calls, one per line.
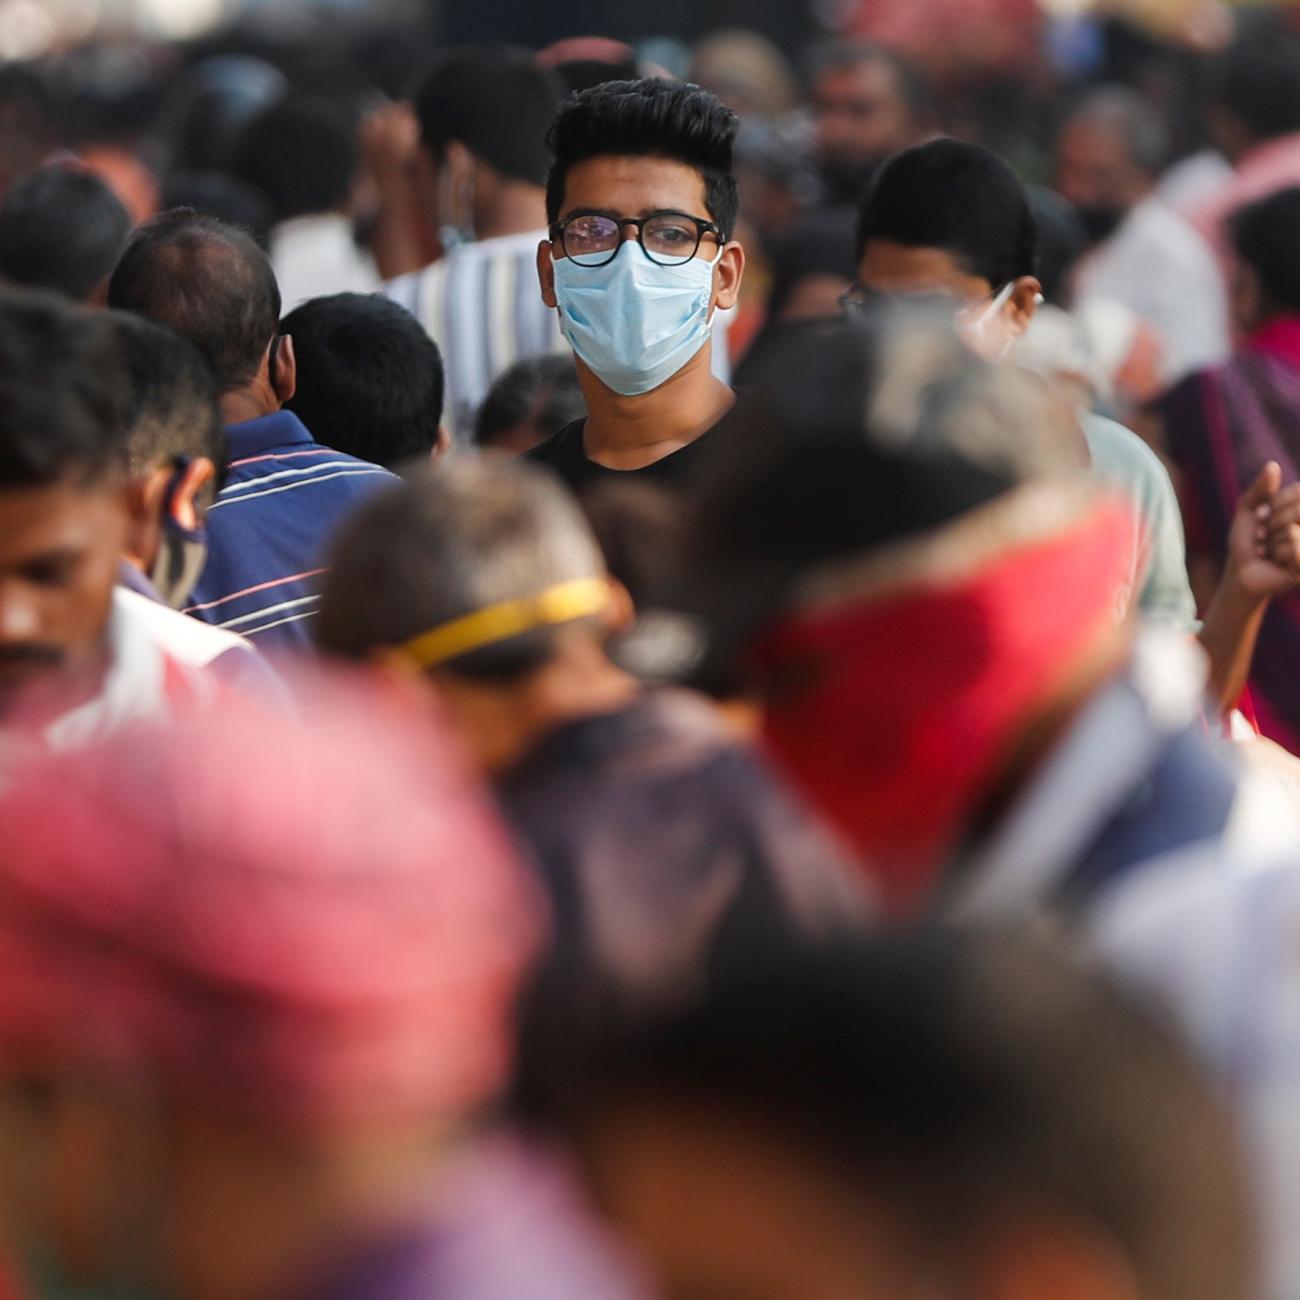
point(310, 925)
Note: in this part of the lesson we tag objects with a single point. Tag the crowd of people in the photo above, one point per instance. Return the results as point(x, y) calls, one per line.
point(630, 686)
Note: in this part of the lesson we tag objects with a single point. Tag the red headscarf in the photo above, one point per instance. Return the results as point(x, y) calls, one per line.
point(309, 926)
point(896, 701)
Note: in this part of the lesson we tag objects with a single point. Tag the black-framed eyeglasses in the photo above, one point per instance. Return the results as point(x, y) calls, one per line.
point(668, 238)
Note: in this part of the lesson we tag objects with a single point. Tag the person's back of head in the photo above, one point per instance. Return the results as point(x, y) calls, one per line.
point(302, 153)
point(210, 283)
point(62, 228)
point(1256, 94)
point(215, 194)
point(533, 399)
point(968, 1115)
point(1265, 236)
point(417, 562)
point(650, 118)
point(959, 198)
point(1062, 241)
point(369, 378)
point(496, 102)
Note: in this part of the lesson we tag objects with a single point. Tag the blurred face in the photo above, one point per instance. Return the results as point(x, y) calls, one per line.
point(59, 552)
point(990, 317)
point(722, 1213)
point(859, 114)
point(1095, 172)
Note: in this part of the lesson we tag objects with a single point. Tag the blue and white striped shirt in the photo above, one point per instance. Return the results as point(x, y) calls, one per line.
point(269, 526)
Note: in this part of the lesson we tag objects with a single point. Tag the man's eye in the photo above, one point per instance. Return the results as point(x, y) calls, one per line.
point(51, 573)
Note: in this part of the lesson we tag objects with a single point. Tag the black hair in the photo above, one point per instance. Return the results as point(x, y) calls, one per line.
point(209, 282)
point(63, 393)
point(1266, 235)
point(958, 1081)
point(1258, 81)
point(216, 194)
point(302, 153)
point(61, 228)
point(650, 118)
point(370, 380)
point(958, 197)
point(1062, 240)
point(496, 101)
point(541, 391)
point(172, 411)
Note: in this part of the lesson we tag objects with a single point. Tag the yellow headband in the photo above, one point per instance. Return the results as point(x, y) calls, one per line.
point(562, 603)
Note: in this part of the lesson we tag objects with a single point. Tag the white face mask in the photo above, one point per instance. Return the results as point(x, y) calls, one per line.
point(635, 323)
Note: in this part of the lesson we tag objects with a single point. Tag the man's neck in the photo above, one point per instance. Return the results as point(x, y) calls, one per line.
point(632, 432)
point(244, 404)
point(517, 209)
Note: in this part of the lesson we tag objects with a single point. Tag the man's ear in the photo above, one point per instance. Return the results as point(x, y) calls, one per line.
point(284, 369)
point(727, 275)
point(194, 478)
point(546, 272)
point(441, 444)
point(1021, 307)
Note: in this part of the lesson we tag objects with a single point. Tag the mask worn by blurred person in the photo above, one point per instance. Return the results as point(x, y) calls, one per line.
point(634, 322)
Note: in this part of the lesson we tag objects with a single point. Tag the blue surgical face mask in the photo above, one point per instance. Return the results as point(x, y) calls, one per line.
point(634, 323)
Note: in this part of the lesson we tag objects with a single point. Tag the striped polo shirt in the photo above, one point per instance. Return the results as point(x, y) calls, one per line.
point(269, 527)
point(481, 304)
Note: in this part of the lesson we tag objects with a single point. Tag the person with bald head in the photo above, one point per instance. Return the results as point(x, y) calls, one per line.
point(211, 284)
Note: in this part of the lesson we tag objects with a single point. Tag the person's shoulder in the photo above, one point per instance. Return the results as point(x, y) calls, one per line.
point(183, 638)
point(561, 447)
point(1114, 444)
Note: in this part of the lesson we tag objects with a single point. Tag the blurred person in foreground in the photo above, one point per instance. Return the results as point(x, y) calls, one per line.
point(1222, 426)
point(923, 1116)
point(80, 656)
point(665, 846)
point(931, 597)
point(302, 153)
point(641, 201)
point(952, 222)
point(481, 165)
point(867, 103)
point(62, 229)
point(369, 379)
point(528, 403)
point(255, 993)
point(266, 531)
point(1108, 156)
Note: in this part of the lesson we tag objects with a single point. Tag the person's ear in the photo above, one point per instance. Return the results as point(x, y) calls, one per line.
point(620, 612)
point(196, 475)
point(1026, 294)
point(546, 272)
point(284, 368)
point(144, 504)
point(441, 444)
point(727, 275)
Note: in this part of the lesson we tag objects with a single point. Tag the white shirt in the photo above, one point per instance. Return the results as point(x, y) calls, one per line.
point(316, 256)
point(1160, 268)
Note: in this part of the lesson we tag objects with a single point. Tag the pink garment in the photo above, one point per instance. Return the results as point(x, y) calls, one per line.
point(1269, 167)
point(310, 926)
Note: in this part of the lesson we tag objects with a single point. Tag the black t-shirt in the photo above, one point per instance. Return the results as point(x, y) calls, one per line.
point(565, 454)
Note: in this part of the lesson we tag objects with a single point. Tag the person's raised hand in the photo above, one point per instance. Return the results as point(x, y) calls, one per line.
point(1263, 556)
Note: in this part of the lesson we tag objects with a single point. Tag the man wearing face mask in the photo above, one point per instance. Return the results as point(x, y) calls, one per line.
point(951, 221)
point(479, 172)
point(641, 201)
point(1108, 157)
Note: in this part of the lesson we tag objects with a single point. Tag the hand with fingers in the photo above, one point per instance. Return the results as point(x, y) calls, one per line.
point(1264, 538)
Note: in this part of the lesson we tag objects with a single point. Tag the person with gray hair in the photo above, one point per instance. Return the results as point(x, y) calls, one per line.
point(665, 846)
point(1108, 156)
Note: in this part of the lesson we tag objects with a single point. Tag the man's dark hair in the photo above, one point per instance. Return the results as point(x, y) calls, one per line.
point(913, 87)
point(1062, 241)
point(650, 118)
point(957, 1082)
point(466, 535)
point(1266, 235)
point(302, 153)
point(370, 380)
point(542, 391)
point(61, 228)
point(1258, 81)
point(172, 412)
point(63, 394)
point(210, 283)
point(496, 101)
point(958, 197)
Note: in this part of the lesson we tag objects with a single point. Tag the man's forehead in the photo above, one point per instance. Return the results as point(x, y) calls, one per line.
point(67, 509)
point(634, 186)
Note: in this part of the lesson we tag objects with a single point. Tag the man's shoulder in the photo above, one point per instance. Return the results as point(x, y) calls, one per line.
point(1119, 453)
point(563, 447)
